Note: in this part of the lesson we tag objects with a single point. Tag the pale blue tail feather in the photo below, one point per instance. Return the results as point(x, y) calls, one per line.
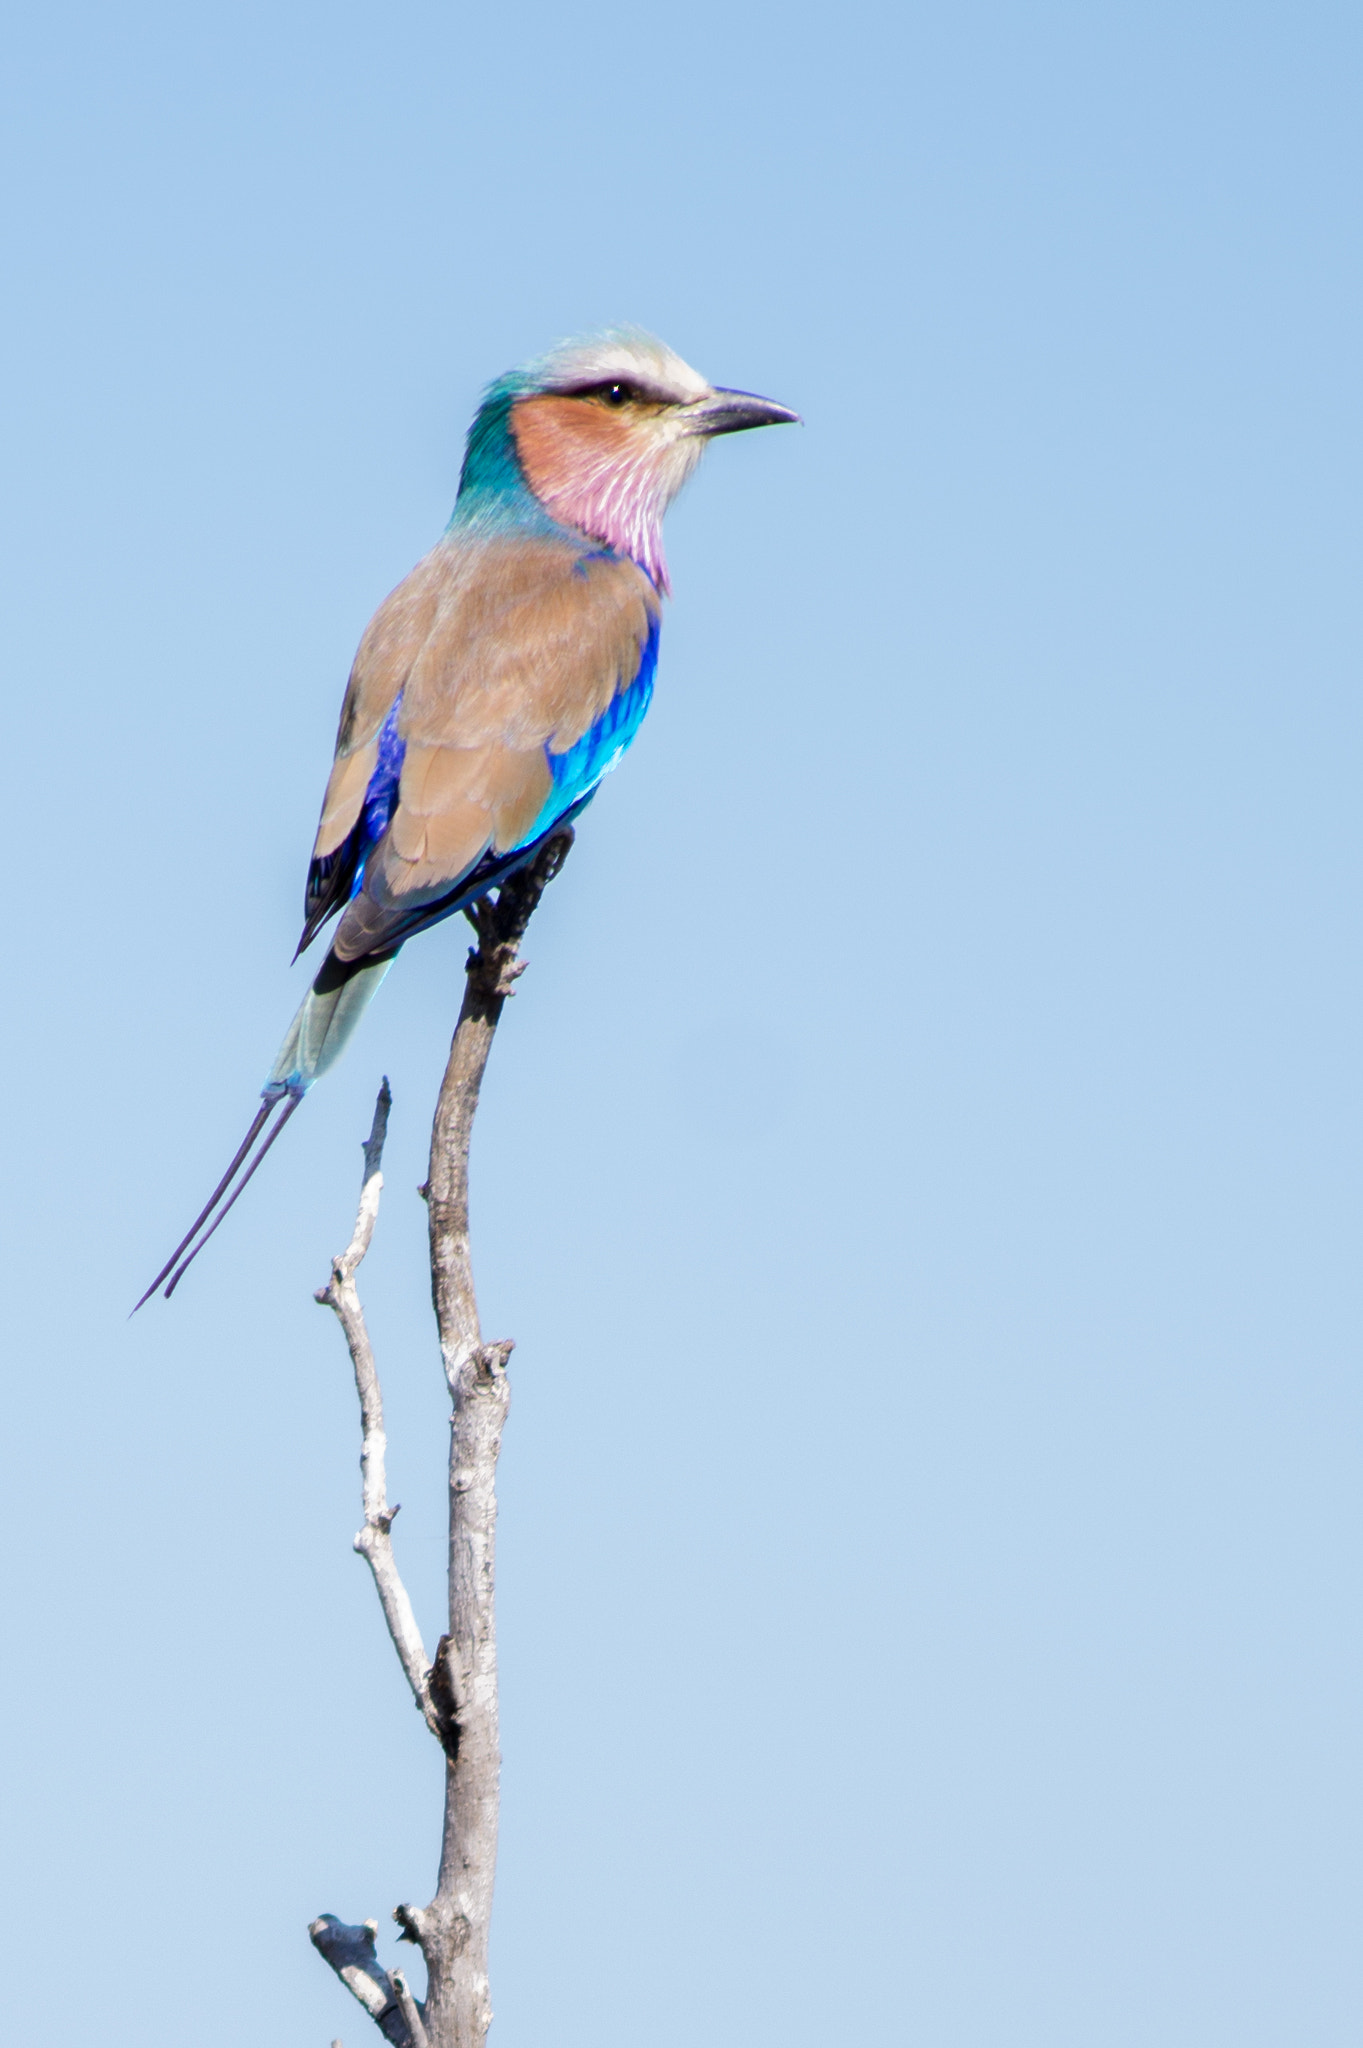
point(321, 1031)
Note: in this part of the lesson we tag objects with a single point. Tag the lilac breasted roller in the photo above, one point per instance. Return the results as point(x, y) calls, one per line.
point(497, 685)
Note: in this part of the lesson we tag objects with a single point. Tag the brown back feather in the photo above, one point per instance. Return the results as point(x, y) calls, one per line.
point(501, 649)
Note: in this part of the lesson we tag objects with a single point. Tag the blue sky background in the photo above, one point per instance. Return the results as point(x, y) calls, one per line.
point(921, 1167)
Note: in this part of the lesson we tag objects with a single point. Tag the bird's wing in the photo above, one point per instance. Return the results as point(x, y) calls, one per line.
point(529, 643)
point(392, 641)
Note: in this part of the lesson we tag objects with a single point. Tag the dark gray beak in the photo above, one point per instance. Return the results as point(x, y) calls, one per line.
point(732, 412)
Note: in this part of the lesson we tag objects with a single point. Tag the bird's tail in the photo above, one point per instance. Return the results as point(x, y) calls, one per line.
point(315, 1040)
point(326, 1020)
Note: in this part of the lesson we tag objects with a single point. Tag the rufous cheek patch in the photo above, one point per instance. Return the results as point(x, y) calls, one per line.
point(565, 445)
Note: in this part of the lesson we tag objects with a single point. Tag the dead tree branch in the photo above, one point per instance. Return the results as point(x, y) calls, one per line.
point(457, 1694)
point(453, 1930)
point(375, 1541)
point(410, 2011)
point(350, 1952)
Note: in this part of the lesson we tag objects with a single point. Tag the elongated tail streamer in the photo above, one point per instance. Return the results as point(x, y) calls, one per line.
point(325, 1021)
point(211, 1204)
point(178, 1275)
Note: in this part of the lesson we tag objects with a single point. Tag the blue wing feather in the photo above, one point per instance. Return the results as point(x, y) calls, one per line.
point(577, 772)
point(382, 793)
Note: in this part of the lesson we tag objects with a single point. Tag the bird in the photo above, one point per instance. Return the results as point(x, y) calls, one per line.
point(498, 684)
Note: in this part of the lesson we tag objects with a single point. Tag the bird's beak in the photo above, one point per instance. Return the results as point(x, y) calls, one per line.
point(731, 412)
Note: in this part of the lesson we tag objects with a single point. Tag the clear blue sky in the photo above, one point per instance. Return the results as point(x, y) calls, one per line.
point(922, 1165)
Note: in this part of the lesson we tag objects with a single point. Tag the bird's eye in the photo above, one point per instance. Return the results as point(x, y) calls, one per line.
point(612, 391)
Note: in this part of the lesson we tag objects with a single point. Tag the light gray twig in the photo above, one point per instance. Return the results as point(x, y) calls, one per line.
point(375, 1542)
point(411, 2011)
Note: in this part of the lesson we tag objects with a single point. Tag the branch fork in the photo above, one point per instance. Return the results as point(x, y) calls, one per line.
point(386, 1998)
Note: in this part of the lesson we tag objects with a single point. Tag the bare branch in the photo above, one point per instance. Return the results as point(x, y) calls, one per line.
point(374, 1542)
point(410, 2011)
point(453, 1929)
point(458, 1693)
point(493, 970)
point(350, 1952)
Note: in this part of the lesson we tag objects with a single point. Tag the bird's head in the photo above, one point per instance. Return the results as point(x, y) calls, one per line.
point(604, 433)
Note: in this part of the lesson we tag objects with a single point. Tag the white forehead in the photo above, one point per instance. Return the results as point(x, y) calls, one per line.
point(629, 354)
